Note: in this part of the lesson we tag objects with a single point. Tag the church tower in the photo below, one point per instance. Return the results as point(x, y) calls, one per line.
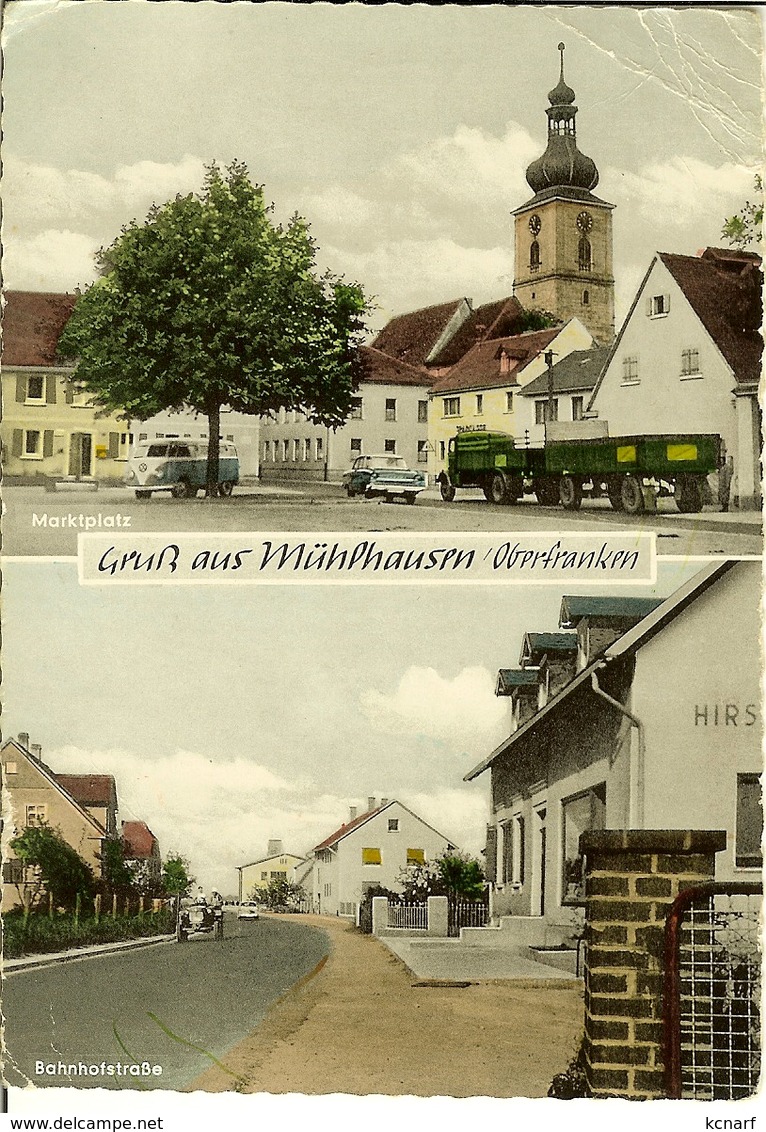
point(563, 236)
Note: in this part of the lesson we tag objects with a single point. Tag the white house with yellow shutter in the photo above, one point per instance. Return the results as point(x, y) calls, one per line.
point(370, 851)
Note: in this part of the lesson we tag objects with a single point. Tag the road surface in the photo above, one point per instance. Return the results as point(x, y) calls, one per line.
point(180, 1006)
point(38, 522)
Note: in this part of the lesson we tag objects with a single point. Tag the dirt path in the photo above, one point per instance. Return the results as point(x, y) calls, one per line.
point(363, 1025)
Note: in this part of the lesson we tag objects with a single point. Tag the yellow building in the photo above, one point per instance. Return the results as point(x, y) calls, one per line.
point(49, 430)
point(481, 390)
point(258, 875)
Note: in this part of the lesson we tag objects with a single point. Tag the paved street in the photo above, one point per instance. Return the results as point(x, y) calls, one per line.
point(150, 1004)
point(38, 522)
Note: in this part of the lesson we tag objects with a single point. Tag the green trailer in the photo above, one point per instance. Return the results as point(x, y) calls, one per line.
point(629, 470)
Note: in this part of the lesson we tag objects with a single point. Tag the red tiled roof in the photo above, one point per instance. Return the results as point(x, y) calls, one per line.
point(344, 829)
point(138, 840)
point(492, 320)
point(89, 789)
point(480, 367)
point(411, 337)
point(381, 369)
point(723, 288)
point(32, 325)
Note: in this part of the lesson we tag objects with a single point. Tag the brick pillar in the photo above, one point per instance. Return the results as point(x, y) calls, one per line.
point(631, 880)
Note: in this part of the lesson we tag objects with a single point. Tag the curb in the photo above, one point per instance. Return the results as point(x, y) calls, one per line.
point(34, 962)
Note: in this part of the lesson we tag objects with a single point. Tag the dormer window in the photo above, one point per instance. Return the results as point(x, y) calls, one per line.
point(505, 362)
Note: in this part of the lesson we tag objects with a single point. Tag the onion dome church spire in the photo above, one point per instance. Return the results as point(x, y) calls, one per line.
point(562, 164)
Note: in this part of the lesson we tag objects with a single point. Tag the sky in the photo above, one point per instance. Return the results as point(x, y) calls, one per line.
point(233, 715)
point(400, 132)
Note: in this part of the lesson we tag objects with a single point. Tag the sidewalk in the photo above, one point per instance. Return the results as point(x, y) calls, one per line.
point(362, 1024)
point(454, 960)
point(46, 959)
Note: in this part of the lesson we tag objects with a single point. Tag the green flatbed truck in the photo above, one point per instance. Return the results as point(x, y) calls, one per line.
point(629, 470)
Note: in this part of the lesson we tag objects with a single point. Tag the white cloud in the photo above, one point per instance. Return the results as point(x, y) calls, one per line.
point(459, 814)
point(682, 191)
point(53, 260)
point(424, 703)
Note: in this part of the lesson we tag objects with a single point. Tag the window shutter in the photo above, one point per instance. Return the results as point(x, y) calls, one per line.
point(491, 850)
point(649, 306)
point(50, 389)
point(21, 388)
point(69, 393)
point(48, 442)
point(114, 445)
point(18, 440)
point(666, 303)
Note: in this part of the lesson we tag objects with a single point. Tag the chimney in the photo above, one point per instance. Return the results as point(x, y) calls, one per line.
point(274, 849)
point(371, 803)
point(384, 801)
point(24, 739)
point(352, 813)
point(37, 752)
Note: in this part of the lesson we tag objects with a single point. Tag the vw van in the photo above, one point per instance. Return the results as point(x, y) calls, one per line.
point(180, 467)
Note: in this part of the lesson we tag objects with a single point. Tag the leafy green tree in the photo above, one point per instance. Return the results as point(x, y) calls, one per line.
point(746, 226)
point(58, 869)
point(176, 877)
point(279, 894)
point(117, 876)
point(209, 303)
point(453, 874)
point(535, 319)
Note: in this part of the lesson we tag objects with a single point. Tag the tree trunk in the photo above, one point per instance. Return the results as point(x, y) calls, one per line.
point(213, 431)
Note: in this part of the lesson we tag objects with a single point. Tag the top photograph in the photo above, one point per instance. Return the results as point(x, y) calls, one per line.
point(280, 267)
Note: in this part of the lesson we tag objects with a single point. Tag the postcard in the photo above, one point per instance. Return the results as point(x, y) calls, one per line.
point(382, 560)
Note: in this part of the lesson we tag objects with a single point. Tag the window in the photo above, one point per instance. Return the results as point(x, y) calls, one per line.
point(285, 449)
point(545, 412)
point(578, 406)
point(33, 444)
point(356, 409)
point(509, 402)
point(264, 876)
point(296, 450)
point(13, 872)
point(11, 768)
point(586, 298)
point(630, 370)
point(422, 412)
point(581, 813)
point(416, 857)
point(36, 388)
point(442, 450)
point(277, 875)
point(356, 446)
point(506, 852)
point(749, 828)
point(328, 890)
point(479, 404)
point(307, 449)
point(36, 814)
point(393, 825)
point(319, 447)
point(659, 305)
point(390, 408)
point(584, 254)
point(517, 834)
point(371, 857)
point(534, 256)
point(389, 446)
point(452, 406)
point(690, 363)
point(422, 451)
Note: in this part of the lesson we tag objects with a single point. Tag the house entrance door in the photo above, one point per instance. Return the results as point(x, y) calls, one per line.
point(80, 454)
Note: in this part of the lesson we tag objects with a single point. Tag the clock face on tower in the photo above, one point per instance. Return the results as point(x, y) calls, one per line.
point(584, 222)
point(535, 224)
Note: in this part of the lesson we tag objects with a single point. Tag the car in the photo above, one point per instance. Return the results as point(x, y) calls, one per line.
point(385, 475)
point(248, 910)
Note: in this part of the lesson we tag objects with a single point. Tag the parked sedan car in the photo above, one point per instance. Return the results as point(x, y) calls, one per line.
point(248, 910)
point(386, 475)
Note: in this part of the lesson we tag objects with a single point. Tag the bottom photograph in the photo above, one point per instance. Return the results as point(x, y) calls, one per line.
point(409, 840)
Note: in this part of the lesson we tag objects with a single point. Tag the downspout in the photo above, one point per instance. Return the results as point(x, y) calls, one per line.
point(636, 798)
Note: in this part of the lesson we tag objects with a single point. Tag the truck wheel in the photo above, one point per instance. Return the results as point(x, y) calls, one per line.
point(631, 496)
point(614, 491)
point(498, 488)
point(447, 491)
point(225, 488)
point(409, 497)
point(688, 495)
point(547, 492)
point(143, 495)
point(570, 493)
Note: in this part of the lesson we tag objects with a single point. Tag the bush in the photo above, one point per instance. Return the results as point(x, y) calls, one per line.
point(40, 933)
point(571, 1084)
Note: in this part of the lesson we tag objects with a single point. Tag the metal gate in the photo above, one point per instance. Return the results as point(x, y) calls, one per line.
point(711, 1006)
point(466, 914)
